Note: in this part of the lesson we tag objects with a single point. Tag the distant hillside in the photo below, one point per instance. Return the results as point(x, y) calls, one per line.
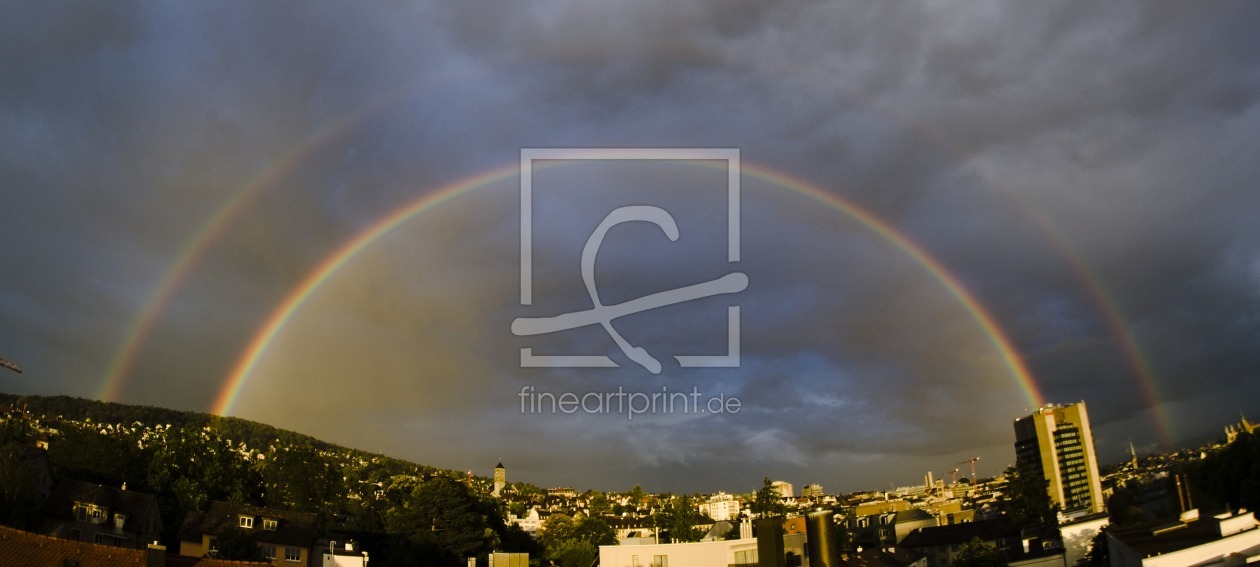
point(80, 409)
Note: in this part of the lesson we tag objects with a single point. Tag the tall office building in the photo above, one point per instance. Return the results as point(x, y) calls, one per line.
point(1056, 440)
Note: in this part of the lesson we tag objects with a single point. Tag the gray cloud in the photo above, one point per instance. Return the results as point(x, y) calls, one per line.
point(1065, 162)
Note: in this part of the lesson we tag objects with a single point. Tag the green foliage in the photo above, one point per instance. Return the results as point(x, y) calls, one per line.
point(1027, 498)
point(441, 513)
point(1229, 477)
point(767, 503)
point(19, 506)
point(236, 544)
point(678, 517)
point(573, 553)
point(298, 477)
point(567, 541)
point(85, 453)
point(976, 553)
point(1099, 552)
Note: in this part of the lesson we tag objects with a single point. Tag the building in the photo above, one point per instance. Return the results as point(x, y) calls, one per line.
point(341, 554)
point(878, 531)
point(1079, 534)
point(285, 537)
point(26, 549)
point(1243, 426)
point(500, 478)
point(1056, 442)
point(738, 552)
point(812, 491)
point(721, 507)
point(88, 512)
point(939, 544)
point(1223, 539)
point(530, 523)
point(784, 489)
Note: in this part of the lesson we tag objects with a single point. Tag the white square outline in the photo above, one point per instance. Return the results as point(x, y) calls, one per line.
point(729, 155)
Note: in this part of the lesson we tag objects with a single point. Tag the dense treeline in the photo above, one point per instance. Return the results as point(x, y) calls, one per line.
point(1227, 478)
point(403, 513)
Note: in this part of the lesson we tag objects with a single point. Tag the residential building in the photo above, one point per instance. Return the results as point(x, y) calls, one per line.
point(285, 537)
point(885, 530)
point(88, 512)
point(529, 523)
point(941, 543)
point(1056, 442)
point(1222, 539)
point(737, 552)
point(26, 549)
point(721, 507)
point(341, 554)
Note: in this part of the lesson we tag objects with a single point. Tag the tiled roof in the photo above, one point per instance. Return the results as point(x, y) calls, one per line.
point(293, 528)
point(25, 549)
point(61, 502)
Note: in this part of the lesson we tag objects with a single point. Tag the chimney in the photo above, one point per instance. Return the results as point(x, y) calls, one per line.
point(155, 555)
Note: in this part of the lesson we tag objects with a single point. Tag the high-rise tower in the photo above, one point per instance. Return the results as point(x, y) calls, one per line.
point(1056, 441)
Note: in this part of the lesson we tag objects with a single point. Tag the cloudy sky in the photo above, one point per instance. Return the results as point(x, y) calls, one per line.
point(948, 213)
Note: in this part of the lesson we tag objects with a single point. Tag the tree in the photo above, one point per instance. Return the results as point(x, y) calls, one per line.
point(976, 553)
point(767, 503)
point(234, 543)
point(679, 517)
point(1027, 498)
point(442, 513)
point(1099, 552)
point(19, 506)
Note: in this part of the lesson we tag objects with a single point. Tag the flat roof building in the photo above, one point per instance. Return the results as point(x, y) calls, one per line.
point(1057, 442)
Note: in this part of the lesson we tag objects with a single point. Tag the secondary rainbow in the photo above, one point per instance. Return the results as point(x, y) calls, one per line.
point(210, 232)
point(238, 377)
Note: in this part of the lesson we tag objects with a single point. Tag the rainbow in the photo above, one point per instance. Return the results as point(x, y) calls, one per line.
point(1097, 292)
point(240, 374)
point(192, 251)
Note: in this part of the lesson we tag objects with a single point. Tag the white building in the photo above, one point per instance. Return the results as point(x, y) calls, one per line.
point(702, 554)
point(343, 555)
point(722, 507)
point(530, 522)
point(1224, 540)
point(784, 488)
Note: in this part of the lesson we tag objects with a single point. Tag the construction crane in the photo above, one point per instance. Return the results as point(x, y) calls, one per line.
point(972, 462)
point(11, 365)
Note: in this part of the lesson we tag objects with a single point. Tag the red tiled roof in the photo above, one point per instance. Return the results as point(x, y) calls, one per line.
point(25, 549)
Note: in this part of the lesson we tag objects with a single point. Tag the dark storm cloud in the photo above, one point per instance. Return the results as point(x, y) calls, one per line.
point(1048, 155)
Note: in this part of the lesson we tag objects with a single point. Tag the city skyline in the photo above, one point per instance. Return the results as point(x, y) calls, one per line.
point(947, 219)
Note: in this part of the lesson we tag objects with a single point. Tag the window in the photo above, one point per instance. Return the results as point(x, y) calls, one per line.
point(270, 524)
point(292, 554)
point(246, 521)
point(748, 557)
point(660, 561)
point(213, 546)
point(634, 561)
point(268, 550)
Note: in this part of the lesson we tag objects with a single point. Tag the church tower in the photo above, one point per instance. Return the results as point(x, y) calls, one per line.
point(500, 479)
